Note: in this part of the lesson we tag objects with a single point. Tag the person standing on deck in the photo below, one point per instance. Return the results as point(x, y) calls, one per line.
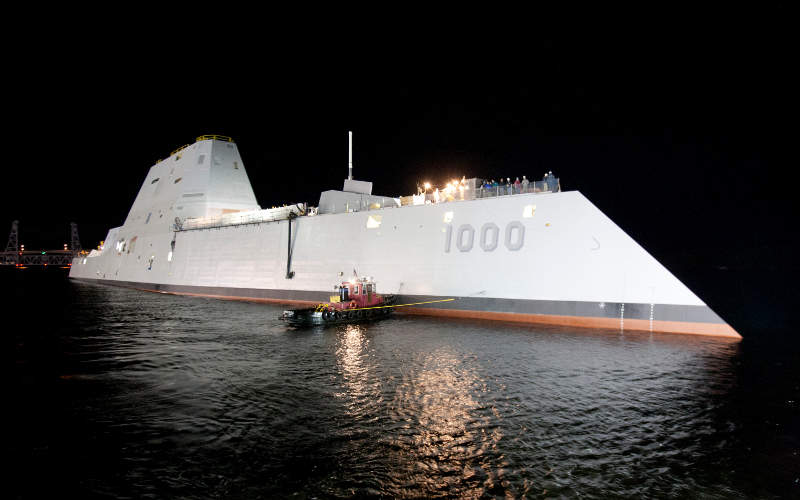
point(552, 183)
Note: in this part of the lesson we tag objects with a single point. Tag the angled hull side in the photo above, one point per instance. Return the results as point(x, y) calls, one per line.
point(542, 258)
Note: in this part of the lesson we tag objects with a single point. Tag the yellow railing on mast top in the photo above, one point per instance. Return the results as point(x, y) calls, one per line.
point(224, 138)
point(214, 136)
point(180, 149)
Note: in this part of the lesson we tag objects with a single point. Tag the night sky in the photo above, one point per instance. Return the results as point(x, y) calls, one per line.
point(685, 141)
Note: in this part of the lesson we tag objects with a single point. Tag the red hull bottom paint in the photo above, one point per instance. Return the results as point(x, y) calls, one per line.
point(712, 329)
point(683, 327)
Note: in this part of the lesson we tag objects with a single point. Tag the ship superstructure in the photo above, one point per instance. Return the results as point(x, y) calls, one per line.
point(540, 256)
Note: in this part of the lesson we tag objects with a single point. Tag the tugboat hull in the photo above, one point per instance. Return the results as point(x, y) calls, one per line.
point(311, 316)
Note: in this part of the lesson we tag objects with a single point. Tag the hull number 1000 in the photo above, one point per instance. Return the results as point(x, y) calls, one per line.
point(488, 239)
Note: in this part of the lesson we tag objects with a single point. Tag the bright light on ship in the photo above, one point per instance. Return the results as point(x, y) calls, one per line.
point(528, 211)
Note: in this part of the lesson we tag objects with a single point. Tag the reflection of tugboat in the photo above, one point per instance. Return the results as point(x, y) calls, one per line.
point(355, 300)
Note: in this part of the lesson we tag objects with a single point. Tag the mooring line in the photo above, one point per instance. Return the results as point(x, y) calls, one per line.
point(399, 305)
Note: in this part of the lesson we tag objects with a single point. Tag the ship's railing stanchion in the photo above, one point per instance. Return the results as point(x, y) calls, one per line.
point(508, 190)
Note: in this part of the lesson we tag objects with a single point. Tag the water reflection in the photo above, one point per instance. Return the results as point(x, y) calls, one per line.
point(362, 388)
point(448, 438)
point(193, 400)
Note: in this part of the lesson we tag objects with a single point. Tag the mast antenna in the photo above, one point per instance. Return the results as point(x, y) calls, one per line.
point(350, 149)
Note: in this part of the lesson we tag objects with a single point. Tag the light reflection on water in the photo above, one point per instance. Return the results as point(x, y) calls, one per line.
point(197, 397)
point(445, 429)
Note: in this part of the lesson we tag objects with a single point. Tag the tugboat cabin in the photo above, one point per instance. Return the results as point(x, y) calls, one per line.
point(361, 291)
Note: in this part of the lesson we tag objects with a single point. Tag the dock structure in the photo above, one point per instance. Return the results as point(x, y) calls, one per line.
point(16, 255)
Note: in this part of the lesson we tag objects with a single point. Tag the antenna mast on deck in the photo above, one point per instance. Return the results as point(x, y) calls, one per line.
point(350, 148)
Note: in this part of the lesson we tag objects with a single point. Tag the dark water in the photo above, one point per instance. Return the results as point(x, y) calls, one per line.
point(126, 394)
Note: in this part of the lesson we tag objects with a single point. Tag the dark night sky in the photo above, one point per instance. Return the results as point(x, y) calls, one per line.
point(684, 140)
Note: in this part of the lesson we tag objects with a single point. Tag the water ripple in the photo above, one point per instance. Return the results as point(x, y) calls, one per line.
point(159, 396)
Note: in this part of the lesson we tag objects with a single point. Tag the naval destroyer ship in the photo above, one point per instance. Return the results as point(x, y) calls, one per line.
point(523, 254)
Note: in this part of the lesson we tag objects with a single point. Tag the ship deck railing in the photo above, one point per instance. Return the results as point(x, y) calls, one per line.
point(482, 191)
point(511, 189)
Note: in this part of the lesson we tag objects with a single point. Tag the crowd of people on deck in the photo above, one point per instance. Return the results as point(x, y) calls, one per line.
point(505, 187)
point(485, 188)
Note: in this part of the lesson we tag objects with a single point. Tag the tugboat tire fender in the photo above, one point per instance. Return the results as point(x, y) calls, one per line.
point(326, 315)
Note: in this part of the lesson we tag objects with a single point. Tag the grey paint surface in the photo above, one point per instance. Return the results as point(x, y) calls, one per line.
point(661, 312)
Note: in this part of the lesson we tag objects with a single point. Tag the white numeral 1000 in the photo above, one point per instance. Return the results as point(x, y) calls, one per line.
point(488, 238)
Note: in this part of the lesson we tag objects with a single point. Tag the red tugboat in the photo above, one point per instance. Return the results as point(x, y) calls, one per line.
point(355, 300)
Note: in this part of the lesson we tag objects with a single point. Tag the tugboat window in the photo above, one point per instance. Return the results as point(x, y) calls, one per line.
point(355, 290)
